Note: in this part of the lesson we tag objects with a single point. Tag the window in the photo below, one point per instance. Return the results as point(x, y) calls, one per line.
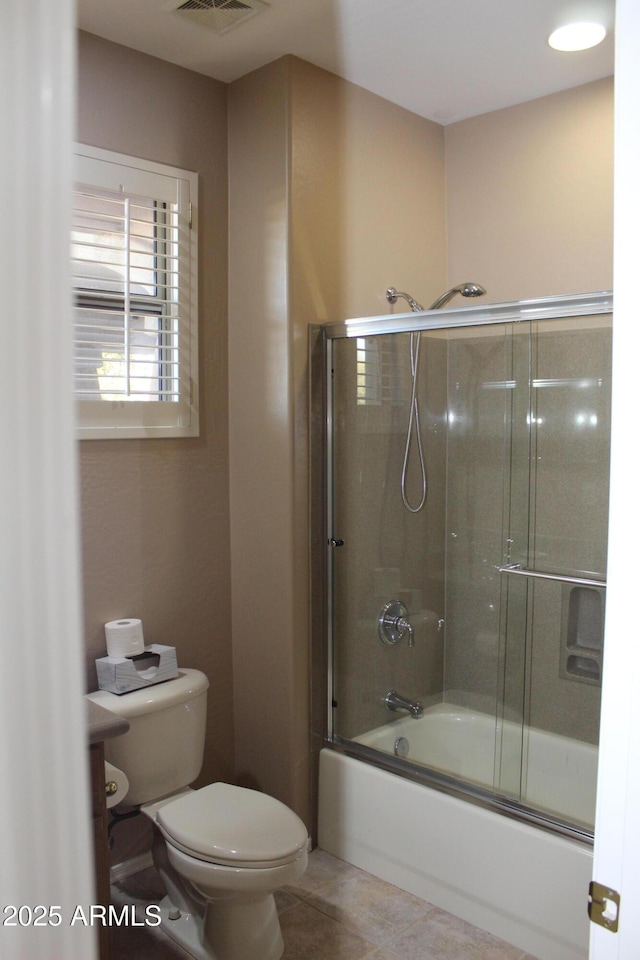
point(134, 267)
point(381, 372)
point(367, 371)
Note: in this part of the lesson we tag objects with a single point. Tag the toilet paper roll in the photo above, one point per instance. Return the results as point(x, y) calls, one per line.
point(124, 638)
point(116, 784)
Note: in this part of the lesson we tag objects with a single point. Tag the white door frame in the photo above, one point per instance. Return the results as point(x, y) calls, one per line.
point(617, 833)
point(45, 836)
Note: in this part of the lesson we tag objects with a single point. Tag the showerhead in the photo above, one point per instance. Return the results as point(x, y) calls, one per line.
point(468, 289)
point(472, 290)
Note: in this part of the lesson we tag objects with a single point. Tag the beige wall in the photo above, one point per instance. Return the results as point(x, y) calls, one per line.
point(530, 196)
point(155, 515)
point(269, 692)
point(367, 200)
point(334, 195)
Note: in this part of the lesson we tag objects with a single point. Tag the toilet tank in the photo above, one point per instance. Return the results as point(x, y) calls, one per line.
point(163, 749)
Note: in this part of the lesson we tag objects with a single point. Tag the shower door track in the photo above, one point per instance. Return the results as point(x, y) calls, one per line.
point(517, 311)
point(462, 789)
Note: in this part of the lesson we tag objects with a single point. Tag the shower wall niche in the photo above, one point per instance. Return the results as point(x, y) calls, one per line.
point(502, 572)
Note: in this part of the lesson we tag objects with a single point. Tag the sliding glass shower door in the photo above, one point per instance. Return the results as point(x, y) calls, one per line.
point(481, 611)
point(553, 584)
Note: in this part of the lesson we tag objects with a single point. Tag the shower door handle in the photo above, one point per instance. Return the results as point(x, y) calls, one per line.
point(518, 571)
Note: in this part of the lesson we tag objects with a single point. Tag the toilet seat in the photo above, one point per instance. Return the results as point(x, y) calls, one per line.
point(233, 827)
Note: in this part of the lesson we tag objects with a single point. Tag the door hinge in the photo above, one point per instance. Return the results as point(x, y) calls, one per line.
point(604, 906)
point(190, 215)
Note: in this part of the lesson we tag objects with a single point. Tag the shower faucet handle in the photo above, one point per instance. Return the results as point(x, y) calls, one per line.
point(393, 624)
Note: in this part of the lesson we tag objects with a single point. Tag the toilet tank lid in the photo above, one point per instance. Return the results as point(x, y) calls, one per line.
point(188, 684)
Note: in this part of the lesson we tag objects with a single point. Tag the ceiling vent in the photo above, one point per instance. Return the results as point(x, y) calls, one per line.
point(219, 15)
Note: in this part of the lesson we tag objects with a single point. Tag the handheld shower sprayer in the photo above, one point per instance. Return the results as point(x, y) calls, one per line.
point(464, 289)
point(468, 289)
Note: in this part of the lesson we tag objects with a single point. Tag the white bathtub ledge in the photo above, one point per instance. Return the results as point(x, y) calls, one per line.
point(521, 884)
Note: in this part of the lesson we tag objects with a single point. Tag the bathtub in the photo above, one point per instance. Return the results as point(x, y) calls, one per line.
point(523, 884)
point(558, 774)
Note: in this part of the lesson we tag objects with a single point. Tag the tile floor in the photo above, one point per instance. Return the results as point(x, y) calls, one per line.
point(335, 912)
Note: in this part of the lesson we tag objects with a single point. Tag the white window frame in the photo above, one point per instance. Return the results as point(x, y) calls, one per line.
point(126, 418)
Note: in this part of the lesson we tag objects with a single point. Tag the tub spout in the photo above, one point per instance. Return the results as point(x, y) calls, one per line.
point(394, 701)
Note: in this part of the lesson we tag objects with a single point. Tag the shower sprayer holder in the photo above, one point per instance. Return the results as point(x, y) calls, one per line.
point(393, 625)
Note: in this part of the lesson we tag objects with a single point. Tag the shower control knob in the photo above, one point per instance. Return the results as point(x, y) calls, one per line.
point(393, 625)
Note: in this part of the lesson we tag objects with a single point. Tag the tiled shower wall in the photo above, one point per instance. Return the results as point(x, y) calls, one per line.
point(557, 522)
point(388, 553)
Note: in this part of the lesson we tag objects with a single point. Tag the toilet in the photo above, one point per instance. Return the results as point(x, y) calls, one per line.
point(221, 850)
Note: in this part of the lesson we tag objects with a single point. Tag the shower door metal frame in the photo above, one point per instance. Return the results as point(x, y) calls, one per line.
point(521, 311)
point(516, 311)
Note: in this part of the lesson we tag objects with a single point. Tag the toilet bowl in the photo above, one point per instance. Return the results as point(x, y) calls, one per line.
point(222, 850)
point(234, 847)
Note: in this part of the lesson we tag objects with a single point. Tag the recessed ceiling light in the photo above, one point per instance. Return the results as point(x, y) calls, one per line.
point(577, 36)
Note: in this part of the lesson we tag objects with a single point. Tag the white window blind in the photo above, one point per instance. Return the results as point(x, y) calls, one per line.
point(381, 373)
point(367, 372)
point(134, 256)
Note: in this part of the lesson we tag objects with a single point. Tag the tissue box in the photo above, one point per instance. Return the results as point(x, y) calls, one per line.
point(123, 674)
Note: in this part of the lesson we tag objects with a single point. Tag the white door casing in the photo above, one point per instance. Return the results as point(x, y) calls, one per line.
point(617, 832)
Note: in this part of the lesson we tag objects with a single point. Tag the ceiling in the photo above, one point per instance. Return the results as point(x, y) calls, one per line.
point(443, 59)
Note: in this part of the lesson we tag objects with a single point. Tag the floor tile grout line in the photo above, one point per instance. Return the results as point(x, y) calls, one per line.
point(402, 930)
